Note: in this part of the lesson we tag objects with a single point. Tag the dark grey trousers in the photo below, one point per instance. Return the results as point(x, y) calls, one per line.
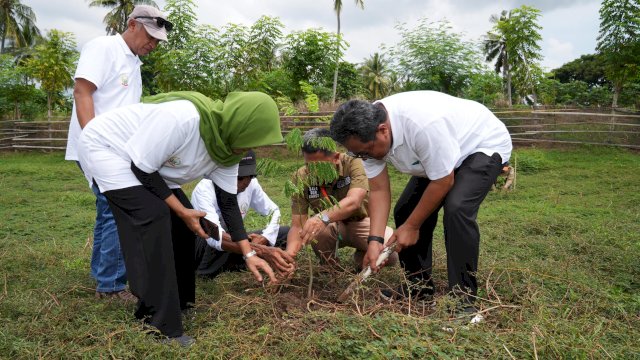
point(473, 180)
point(158, 252)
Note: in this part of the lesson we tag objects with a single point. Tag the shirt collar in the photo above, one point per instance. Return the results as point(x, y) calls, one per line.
point(397, 130)
point(124, 46)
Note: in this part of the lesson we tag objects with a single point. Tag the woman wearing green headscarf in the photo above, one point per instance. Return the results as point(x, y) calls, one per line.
point(139, 156)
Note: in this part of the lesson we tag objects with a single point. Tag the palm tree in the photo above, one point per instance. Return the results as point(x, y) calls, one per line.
point(116, 19)
point(337, 7)
point(375, 72)
point(17, 24)
point(495, 48)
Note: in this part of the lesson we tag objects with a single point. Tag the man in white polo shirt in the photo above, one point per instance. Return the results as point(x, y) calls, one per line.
point(214, 256)
point(454, 149)
point(108, 77)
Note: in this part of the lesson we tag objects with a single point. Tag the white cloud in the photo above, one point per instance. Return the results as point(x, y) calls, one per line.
point(558, 52)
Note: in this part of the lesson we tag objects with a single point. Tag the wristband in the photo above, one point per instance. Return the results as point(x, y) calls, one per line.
point(249, 254)
point(379, 239)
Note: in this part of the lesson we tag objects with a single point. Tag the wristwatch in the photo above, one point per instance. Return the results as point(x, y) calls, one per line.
point(249, 254)
point(324, 217)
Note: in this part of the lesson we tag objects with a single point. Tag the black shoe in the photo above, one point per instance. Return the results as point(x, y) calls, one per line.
point(415, 290)
point(182, 340)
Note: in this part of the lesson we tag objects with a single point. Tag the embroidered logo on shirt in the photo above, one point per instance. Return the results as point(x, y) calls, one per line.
point(173, 161)
point(416, 162)
point(124, 80)
point(314, 192)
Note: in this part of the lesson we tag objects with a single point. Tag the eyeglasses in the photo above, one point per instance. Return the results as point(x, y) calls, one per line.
point(159, 21)
point(364, 155)
point(359, 155)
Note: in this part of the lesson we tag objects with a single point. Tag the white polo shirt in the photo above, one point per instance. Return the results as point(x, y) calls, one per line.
point(434, 132)
point(156, 137)
point(109, 64)
point(203, 198)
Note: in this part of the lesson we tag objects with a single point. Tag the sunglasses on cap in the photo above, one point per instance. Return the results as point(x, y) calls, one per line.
point(159, 21)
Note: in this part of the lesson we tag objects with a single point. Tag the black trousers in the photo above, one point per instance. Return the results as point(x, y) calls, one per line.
point(473, 180)
point(211, 262)
point(158, 253)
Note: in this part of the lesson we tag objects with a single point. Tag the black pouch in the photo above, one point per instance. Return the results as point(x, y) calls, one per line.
point(210, 228)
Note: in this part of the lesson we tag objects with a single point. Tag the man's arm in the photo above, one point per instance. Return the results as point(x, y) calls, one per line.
point(343, 210)
point(83, 95)
point(380, 197)
point(294, 240)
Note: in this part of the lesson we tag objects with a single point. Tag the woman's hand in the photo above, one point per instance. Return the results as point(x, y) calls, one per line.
point(191, 218)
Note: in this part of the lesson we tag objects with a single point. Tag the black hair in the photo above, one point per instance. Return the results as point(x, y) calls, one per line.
point(315, 140)
point(357, 118)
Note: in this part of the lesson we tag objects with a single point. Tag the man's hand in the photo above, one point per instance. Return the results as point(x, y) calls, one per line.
point(373, 251)
point(280, 260)
point(255, 264)
point(405, 236)
point(258, 239)
point(311, 229)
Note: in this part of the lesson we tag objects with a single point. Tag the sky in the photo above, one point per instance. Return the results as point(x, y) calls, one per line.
point(569, 27)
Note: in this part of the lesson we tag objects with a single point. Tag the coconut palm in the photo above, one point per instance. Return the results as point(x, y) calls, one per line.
point(337, 7)
point(375, 72)
point(116, 19)
point(17, 24)
point(495, 48)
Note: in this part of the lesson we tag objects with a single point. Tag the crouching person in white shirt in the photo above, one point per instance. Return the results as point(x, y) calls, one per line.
point(139, 155)
point(214, 256)
point(454, 149)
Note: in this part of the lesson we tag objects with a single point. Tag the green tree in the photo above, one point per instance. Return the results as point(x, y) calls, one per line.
point(116, 19)
point(588, 68)
point(337, 7)
point(17, 24)
point(53, 64)
point(14, 88)
point(190, 59)
point(619, 42)
point(249, 52)
point(309, 56)
point(433, 57)
point(375, 72)
point(495, 49)
point(349, 81)
point(484, 87)
point(514, 44)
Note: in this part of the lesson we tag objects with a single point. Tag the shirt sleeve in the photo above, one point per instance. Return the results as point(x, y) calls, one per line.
point(358, 177)
point(299, 204)
point(263, 205)
point(373, 167)
point(93, 64)
point(226, 177)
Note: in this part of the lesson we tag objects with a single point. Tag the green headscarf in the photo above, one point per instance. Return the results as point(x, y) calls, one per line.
point(244, 120)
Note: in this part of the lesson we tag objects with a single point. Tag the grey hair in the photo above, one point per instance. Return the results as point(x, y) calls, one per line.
point(357, 118)
point(312, 141)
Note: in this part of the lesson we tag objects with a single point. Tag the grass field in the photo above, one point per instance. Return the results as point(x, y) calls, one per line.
point(559, 271)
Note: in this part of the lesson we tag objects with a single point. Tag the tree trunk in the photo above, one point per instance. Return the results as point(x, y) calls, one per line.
point(507, 70)
point(49, 113)
point(4, 37)
point(335, 74)
point(617, 89)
